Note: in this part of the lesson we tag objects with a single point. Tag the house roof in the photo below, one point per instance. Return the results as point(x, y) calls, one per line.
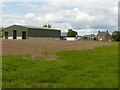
point(102, 33)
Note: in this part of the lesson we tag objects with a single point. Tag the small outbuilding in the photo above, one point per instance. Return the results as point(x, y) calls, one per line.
point(30, 32)
point(103, 36)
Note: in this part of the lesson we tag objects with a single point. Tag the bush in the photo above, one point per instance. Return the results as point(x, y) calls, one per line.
point(116, 36)
point(71, 33)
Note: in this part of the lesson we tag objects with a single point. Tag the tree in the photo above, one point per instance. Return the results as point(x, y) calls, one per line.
point(47, 25)
point(116, 35)
point(71, 33)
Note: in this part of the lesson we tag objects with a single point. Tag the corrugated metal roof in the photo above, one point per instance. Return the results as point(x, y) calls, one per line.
point(29, 26)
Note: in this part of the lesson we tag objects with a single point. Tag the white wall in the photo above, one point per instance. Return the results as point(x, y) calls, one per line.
point(10, 37)
point(35, 38)
point(71, 38)
point(19, 37)
point(3, 37)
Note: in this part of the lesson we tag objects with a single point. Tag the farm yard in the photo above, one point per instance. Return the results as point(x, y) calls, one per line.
point(59, 64)
point(11, 47)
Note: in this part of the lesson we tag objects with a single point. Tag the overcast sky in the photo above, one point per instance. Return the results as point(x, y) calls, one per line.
point(84, 16)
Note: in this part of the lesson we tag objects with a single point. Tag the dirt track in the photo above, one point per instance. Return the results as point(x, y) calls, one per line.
point(11, 47)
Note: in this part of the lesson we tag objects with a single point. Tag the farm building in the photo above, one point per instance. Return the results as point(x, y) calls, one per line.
point(28, 32)
point(89, 37)
point(63, 35)
point(103, 36)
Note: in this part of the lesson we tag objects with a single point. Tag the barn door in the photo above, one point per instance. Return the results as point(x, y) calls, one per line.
point(23, 35)
point(6, 35)
point(14, 34)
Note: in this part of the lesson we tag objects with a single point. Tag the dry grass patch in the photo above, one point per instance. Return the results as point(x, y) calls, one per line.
point(41, 56)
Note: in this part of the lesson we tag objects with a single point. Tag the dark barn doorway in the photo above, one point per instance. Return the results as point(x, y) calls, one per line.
point(23, 35)
point(14, 34)
point(6, 35)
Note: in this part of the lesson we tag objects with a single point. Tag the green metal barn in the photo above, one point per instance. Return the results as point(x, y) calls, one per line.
point(28, 32)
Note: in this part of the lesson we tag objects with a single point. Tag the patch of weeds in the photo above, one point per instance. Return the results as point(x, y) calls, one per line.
point(41, 56)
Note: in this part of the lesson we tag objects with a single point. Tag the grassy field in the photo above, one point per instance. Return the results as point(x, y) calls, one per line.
point(97, 68)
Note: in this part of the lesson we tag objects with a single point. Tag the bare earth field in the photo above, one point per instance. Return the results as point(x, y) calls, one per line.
point(16, 47)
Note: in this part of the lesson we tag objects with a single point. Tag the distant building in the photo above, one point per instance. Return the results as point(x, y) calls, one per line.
point(92, 36)
point(86, 37)
point(89, 37)
point(79, 37)
point(63, 35)
point(103, 36)
point(30, 32)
